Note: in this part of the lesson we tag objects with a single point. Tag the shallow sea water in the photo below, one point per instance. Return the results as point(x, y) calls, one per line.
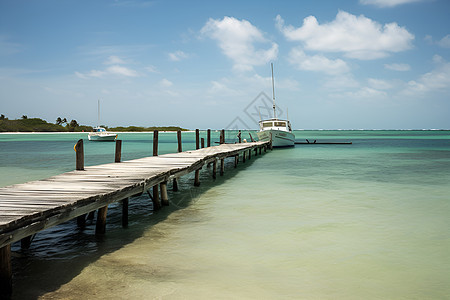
point(369, 220)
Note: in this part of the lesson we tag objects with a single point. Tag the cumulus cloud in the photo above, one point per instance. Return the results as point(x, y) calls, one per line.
point(177, 55)
point(114, 60)
point(437, 79)
point(238, 40)
point(356, 36)
point(387, 3)
point(398, 67)
point(317, 63)
point(445, 41)
point(379, 84)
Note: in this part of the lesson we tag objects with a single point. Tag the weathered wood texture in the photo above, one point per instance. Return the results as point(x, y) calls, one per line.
point(34, 206)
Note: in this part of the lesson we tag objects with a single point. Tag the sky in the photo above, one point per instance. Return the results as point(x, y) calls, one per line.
point(347, 64)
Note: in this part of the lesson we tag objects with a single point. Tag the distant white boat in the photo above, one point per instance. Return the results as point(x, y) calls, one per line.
point(277, 130)
point(99, 133)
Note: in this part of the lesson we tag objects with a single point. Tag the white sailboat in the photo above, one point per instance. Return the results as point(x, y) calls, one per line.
point(277, 130)
point(100, 134)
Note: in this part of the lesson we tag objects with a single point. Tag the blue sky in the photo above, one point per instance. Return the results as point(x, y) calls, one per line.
point(350, 64)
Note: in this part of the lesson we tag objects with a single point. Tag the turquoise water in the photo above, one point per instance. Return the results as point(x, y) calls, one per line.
point(369, 220)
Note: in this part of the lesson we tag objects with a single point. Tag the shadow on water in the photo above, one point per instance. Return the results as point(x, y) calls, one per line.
point(59, 254)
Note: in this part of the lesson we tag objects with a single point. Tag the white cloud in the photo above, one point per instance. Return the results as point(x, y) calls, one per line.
point(114, 60)
point(318, 63)
point(165, 83)
point(356, 36)
point(379, 84)
point(445, 41)
point(437, 79)
point(121, 70)
point(387, 3)
point(398, 67)
point(177, 56)
point(238, 39)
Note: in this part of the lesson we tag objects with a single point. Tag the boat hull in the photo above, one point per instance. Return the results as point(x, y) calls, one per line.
point(109, 137)
point(280, 138)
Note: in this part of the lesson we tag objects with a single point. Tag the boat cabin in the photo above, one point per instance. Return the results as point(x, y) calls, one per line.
point(99, 129)
point(275, 124)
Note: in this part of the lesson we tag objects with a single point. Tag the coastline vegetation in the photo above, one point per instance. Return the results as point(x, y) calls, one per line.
point(26, 124)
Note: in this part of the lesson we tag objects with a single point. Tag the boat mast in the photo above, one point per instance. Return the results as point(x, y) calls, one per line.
point(273, 94)
point(98, 112)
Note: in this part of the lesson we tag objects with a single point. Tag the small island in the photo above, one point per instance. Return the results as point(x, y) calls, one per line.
point(26, 124)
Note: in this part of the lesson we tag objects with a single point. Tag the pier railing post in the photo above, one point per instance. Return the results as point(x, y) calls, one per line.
point(5, 272)
point(155, 143)
point(118, 156)
point(197, 139)
point(222, 136)
point(203, 143)
point(180, 148)
point(208, 138)
point(239, 136)
point(79, 150)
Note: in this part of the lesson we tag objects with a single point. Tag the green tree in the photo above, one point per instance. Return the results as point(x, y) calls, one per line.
point(2, 117)
point(74, 123)
point(64, 121)
point(24, 117)
point(58, 121)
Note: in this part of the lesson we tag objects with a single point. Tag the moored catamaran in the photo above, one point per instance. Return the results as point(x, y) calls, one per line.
point(275, 129)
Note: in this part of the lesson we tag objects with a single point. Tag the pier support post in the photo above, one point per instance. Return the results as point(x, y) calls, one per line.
point(249, 154)
point(25, 243)
point(175, 185)
point(164, 196)
point(155, 143)
point(79, 150)
point(180, 148)
point(243, 156)
point(236, 160)
point(197, 139)
point(197, 178)
point(118, 156)
point(222, 166)
point(260, 150)
point(5, 272)
point(125, 212)
point(214, 170)
point(208, 138)
point(256, 151)
point(155, 199)
point(100, 227)
point(81, 221)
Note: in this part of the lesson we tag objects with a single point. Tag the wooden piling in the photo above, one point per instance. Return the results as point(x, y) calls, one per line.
point(236, 160)
point(100, 227)
point(222, 166)
point(214, 170)
point(5, 272)
point(25, 243)
point(203, 143)
point(197, 178)
point(243, 156)
point(125, 212)
point(175, 185)
point(197, 139)
point(79, 150)
point(81, 221)
point(208, 138)
point(155, 199)
point(164, 196)
point(155, 143)
point(249, 154)
point(180, 148)
point(118, 156)
point(222, 136)
point(239, 136)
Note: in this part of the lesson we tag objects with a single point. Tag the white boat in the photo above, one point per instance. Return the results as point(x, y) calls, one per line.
point(277, 130)
point(100, 134)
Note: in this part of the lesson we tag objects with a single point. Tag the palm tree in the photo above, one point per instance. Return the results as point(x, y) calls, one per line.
point(58, 121)
point(64, 121)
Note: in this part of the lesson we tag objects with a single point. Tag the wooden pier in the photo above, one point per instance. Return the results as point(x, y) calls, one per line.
point(26, 209)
